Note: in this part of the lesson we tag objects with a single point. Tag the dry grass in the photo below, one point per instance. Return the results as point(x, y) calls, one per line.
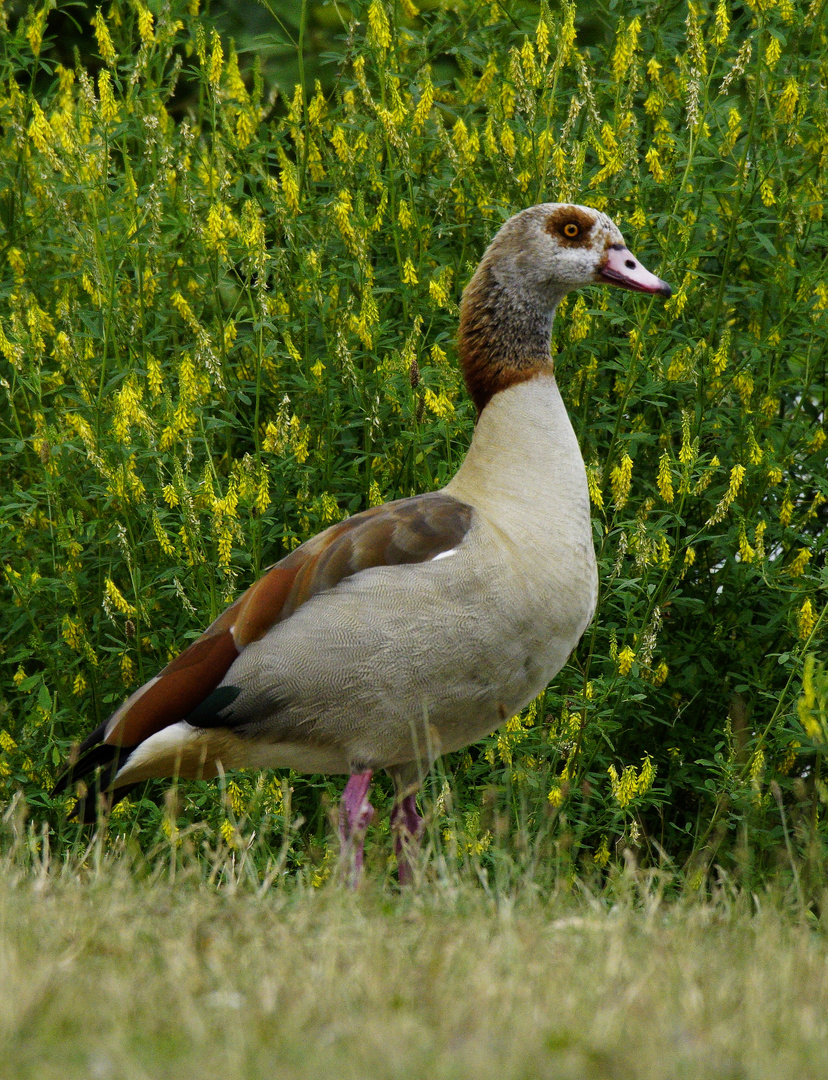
point(106, 976)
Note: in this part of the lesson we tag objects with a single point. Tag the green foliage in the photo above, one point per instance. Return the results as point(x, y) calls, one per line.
point(220, 332)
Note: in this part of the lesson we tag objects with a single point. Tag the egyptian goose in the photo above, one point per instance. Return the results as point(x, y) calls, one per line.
point(414, 628)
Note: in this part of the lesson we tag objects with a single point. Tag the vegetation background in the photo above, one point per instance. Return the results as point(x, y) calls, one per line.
point(229, 276)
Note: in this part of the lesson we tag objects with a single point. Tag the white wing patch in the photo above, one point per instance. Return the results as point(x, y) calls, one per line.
point(444, 554)
point(169, 741)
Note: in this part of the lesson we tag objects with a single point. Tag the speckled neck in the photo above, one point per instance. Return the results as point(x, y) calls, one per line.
point(504, 335)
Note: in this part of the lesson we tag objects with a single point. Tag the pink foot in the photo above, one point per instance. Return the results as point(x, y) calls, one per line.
point(407, 824)
point(355, 815)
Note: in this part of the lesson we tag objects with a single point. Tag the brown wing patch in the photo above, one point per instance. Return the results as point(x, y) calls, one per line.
point(172, 695)
point(406, 531)
point(570, 225)
point(257, 606)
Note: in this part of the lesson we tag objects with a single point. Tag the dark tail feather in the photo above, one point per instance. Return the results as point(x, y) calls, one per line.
point(101, 756)
point(104, 759)
point(93, 738)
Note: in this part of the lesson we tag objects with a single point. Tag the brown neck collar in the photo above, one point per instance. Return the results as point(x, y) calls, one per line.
point(501, 340)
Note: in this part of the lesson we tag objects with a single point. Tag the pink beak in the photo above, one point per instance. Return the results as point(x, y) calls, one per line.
point(623, 269)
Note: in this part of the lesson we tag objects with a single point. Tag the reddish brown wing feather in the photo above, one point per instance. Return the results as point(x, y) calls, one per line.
point(406, 531)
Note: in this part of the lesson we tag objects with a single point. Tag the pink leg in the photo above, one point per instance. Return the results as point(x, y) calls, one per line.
point(355, 815)
point(407, 824)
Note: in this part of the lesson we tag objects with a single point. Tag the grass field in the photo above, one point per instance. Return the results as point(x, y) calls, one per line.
point(108, 977)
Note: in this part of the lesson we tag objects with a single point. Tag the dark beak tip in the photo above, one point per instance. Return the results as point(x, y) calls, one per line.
point(665, 290)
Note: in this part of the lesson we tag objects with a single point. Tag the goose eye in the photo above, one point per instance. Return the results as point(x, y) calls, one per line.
point(571, 230)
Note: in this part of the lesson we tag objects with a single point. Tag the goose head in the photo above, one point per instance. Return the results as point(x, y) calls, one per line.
point(536, 258)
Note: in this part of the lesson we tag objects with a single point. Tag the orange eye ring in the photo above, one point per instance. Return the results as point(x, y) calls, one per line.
point(571, 230)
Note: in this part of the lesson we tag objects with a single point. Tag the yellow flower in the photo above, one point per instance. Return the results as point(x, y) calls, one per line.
point(299, 440)
point(460, 137)
point(757, 766)
point(216, 61)
point(625, 786)
point(746, 552)
point(409, 274)
point(734, 128)
point(127, 669)
point(626, 44)
point(108, 107)
point(423, 107)
point(236, 798)
point(72, 633)
point(737, 475)
point(262, 498)
point(290, 185)
point(788, 100)
point(531, 71)
point(806, 621)
point(145, 20)
point(233, 82)
point(721, 28)
point(105, 46)
point(621, 479)
point(602, 854)
point(185, 311)
point(579, 321)
point(800, 561)
point(164, 541)
point(379, 32)
point(224, 543)
point(117, 599)
point(214, 231)
point(39, 131)
point(755, 452)
point(542, 37)
point(654, 163)
point(812, 706)
point(439, 404)
point(229, 834)
point(36, 26)
point(759, 534)
point(330, 507)
point(342, 210)
point(246, 124)
point(439, 286)
point(625, 661)
point(404, 217)
point(596, 496)
point(665, 478)
point(14, 257)
point(646, 775)
point(719, 359)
